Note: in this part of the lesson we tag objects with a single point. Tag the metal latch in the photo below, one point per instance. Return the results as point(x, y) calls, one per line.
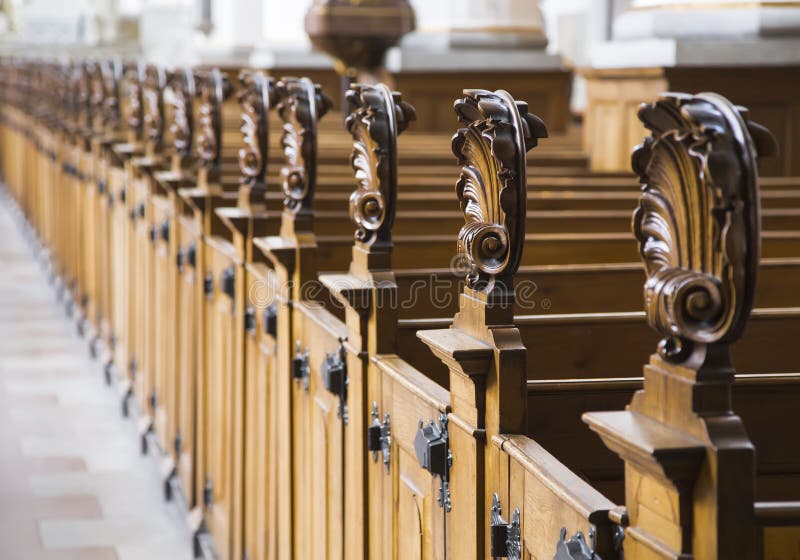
point(505, 537)
point(270, 320)
point(576, 548)
point(227, 279)
point(208, 285)
point(250, 320)
point(191, 255)
point(164, 232)
point(300, 370)
point(432, 446)
point(334, 378)
point(379, 437)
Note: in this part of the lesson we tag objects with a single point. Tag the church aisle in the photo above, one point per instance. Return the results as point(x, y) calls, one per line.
point(73, 484)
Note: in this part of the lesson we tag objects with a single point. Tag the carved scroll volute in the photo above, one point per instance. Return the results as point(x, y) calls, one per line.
point(212, 89)
point(181, 128)
point(378, 117)
point(698, 220)
point(256, 97)
point(134, 113)
point(96, 95)
point(155, 81)
point(111, 74)
point(301, 104)
point(498, 132)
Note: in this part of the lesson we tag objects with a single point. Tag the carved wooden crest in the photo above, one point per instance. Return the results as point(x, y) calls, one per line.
point(498, 132)
point(256, 97)
point(378, 117)
point(181, 128)
point(111, 72)
point(698, 220)
point(134, 78)
point(301, 104)
point(212, 88)
point(155, 80)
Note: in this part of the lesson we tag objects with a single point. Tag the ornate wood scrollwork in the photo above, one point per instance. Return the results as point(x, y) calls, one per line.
point(301, 104)
point(155, 80)
point(134, 76)
point(256, 97)
point(498, 132)
point(213, 88)
point(698, 220)
point(378, 117)
point(182, 126)
point(111, 72)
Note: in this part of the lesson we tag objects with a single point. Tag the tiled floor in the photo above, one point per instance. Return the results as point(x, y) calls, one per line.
point(73, 484)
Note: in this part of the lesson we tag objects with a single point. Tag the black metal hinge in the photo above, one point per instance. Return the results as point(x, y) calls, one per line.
point(432, 446)
point(191, 255)
point(300, 370)
point(164, 231)
point(270, 320)
point(576, 548)
point(208, 285)
point(250, 320)
point(379, 437)
point(505, 537)
point(334, 378)
point(208, 493)
point(227, 281)
point(179, 258)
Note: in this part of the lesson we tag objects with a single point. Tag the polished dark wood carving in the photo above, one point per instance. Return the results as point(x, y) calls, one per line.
point(134, 77)
point(111, 72)
point(498, 132)
point(213, 88)
point(256, 96)
point(181, 128)
point(301, 104)
point(155, 81)
point(378, 117)
point(698, 220)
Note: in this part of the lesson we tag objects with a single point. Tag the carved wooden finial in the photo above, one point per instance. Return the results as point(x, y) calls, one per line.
point(378, 117)
point(181, 128)
point(97, 94)
point(301, 104)
point(213, 87)
point(134, 76)
point(698, 220)
point(111, 73)
point(498, 132)
point(155, 81)
point(256, 96)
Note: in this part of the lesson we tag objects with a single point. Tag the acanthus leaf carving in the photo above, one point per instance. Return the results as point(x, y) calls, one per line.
point(698, 219)
point(378, 117)
point(256, 97)
point(153, 85)
point(491, 150)
point(182, 89)
point(301, 104)
point(213, 88)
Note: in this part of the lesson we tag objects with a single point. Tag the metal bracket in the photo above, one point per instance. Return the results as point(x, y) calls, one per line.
point(270, 320)
point(300, 370)
point(432, 446)
point(208, 285)
point(208, 493)
point(180, 256)
point(227, 281)
point(505, 537)
point(379, 437)
point(191, 255)
point(250, 320)
point(152, 234)
point(334, 378)
point(576, 548)
point(164, 230)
